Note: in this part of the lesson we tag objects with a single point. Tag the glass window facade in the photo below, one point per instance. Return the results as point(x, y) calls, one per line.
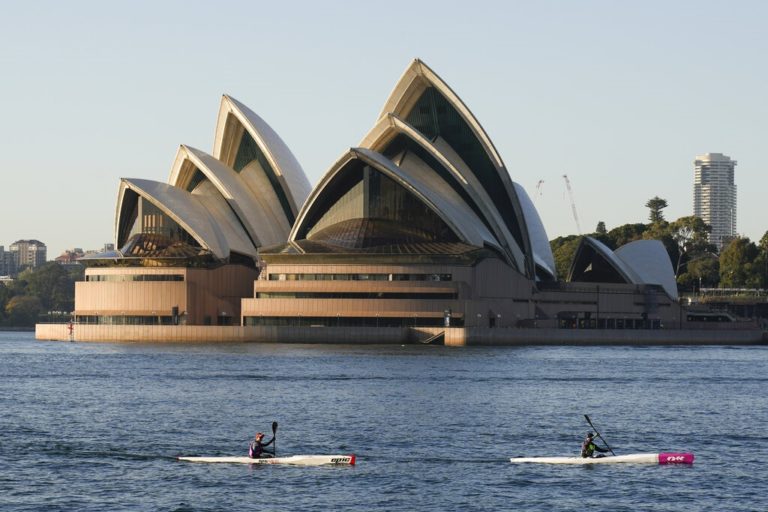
point(369, 209)
point(339, 321)
point(356, 295)
point(147, 219)
point(134, 277)
point(197, 178)
point(125, 320)
point(360, 277)
point(147, 232)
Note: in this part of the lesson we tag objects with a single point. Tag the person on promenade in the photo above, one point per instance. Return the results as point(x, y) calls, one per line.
point(256, 450)
point(588, 447)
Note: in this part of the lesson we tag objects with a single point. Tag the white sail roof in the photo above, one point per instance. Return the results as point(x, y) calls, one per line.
point(650, 261)
point(290, 180)
point(254, 203)
point(542, 250)
point(416, 81)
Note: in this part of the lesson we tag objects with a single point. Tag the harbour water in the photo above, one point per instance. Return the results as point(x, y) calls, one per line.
point(92, 427)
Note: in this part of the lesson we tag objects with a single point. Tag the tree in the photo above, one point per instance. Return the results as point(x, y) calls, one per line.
point(656, 204)
point(624, 234)
point(52, 284)
point(737, 264)
point(701, 272)
point(5, 295)
point(22, 310)
point(764, 242)
point(690, 236)
point(563, 249)
point(600, 229)
point(762, 260)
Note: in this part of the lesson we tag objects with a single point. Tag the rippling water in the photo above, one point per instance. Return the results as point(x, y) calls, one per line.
point(98, 426)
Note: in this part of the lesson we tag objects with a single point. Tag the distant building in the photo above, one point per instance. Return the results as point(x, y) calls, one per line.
point(714, 195)
point(7, 266)
point(28, 254)
point(70, 256)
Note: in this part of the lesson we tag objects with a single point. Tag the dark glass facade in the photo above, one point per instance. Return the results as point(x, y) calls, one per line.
point(368, 209)
point(134, 277)
point(197, 178)
point(355, 295)
point(125, 320)
point(306, 321)
point(360, 277)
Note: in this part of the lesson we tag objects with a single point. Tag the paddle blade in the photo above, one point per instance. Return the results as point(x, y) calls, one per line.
point(274, 427)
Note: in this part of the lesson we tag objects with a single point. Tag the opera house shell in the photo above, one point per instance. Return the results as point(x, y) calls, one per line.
point(188, 249)
point(418, 231)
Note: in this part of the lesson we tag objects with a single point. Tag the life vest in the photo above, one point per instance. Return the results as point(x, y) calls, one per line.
point(587, 448)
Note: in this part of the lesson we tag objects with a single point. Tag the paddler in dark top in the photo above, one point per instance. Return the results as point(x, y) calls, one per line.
point(588, 447)
point(256, 448)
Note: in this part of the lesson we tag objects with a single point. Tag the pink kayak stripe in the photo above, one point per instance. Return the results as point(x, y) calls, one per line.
point(675, 458)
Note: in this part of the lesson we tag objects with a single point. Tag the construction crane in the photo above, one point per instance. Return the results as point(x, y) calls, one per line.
point(573, 203)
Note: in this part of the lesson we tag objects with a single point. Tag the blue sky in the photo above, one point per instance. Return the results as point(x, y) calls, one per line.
point(620, 96)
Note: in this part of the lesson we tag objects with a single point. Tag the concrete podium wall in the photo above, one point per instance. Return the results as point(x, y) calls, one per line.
point(454, 336)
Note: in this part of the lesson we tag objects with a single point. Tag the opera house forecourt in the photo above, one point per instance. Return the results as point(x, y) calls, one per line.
point(417, 234)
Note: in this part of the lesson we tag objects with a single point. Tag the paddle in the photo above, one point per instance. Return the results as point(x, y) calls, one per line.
point(598, 434)
point(274, 437)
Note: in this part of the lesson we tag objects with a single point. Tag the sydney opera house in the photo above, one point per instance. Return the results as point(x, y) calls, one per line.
point(418, 233)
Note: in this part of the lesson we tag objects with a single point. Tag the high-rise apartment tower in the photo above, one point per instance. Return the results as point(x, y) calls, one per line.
point(714, 195)
point(28, 253)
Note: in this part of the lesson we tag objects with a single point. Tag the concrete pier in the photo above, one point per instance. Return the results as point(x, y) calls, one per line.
point(454, 336)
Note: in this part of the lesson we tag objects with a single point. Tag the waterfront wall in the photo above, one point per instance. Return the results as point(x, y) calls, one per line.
point(455, 336)
point(525, 337)
point(219, 334)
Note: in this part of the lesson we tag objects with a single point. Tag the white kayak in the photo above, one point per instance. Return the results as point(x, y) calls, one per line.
point(633, 458)
point(296, 460)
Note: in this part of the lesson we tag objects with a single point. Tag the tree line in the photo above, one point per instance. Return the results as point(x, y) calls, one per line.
point(45, 293)
point(697, 264)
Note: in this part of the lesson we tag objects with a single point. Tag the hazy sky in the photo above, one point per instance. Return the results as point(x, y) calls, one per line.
point(620, 96)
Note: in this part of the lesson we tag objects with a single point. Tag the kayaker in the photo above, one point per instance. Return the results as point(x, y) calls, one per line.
point(588, 447)
point(256, 448)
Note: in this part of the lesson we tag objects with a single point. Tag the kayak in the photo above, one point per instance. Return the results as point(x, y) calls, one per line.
point(296, 460)
point(633, 458)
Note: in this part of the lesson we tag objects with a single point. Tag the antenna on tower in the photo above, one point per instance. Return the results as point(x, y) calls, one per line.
point(573, 203)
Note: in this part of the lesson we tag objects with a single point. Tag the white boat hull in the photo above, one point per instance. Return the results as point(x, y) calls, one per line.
point(634, 458)
point(295, 460)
